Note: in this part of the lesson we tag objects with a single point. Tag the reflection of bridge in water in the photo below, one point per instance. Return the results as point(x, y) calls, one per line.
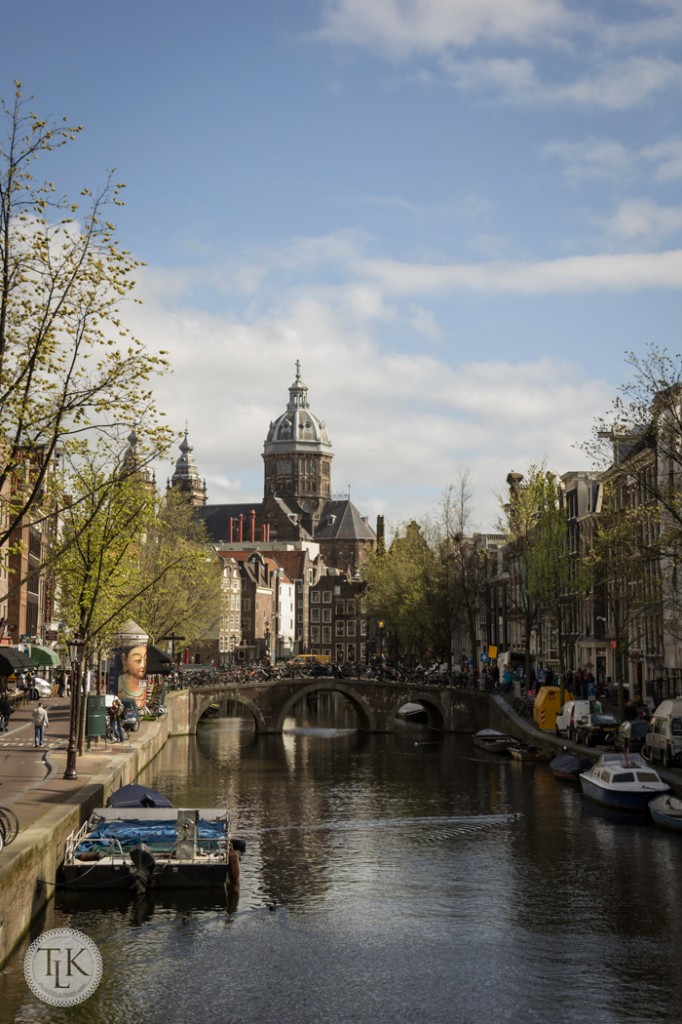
point(376, 703)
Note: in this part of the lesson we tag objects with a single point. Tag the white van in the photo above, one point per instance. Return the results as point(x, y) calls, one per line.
point(567, 720)
point(664, 735)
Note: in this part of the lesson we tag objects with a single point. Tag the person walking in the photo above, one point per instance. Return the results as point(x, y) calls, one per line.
point(5, 712)
point(40, 722)
point(117, 711)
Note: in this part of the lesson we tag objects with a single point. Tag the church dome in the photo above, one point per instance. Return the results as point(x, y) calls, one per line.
point(298, 426)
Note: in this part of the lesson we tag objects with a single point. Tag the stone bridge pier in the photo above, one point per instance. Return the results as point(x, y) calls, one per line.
point(376, 703)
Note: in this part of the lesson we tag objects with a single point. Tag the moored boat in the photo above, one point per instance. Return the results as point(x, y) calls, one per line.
point(568, 766)
point(143, 843)
point(491, 739)
point(622, 781)
point(666, 810)
point(530, 753)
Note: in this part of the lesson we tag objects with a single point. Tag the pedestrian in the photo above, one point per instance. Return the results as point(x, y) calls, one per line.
point(5, 712)
point(40, 723)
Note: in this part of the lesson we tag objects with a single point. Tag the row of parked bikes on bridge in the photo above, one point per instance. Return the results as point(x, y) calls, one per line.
point(420, 675)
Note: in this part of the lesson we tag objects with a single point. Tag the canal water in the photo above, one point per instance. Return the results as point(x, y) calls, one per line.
point(400, 878)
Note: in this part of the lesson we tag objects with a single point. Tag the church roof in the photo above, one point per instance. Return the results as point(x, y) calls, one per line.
point(340, 520)
point(216, 518)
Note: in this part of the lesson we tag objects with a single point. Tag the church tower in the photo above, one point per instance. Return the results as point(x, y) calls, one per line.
point(298, 457)
point(186, 476)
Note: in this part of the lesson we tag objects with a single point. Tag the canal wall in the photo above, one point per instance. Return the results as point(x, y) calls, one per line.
point(29, 865)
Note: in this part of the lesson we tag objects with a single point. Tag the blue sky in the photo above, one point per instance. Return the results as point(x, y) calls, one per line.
point(458, 214)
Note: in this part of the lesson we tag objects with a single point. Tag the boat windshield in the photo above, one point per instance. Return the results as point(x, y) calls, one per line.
point(648, 777)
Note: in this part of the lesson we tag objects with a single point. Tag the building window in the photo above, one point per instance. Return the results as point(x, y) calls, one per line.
point(246, 604)
point(314, 597)
point(326, 615)
point(340, 608)
point(340, 627)
point(326, 634)
point(350, 629)
point(314, 634)
point(350, 607)
point(340, 654)
point(314, 614)
point(326, 597)
point(363, 627)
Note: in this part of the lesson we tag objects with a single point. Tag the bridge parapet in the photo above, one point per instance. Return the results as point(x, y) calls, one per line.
point(376, 703)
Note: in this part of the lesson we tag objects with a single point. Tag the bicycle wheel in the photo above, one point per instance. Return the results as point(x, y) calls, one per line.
point(9, 825)
point(110, 736)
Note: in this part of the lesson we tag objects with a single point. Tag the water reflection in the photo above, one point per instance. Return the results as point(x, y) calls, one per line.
point(391, 878)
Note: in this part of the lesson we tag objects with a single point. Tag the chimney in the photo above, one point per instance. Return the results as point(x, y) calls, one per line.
point(380, 533)
point(252, 531)
point(241, 527)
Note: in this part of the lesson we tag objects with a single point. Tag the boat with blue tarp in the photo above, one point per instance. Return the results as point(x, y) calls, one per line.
point(141, 842)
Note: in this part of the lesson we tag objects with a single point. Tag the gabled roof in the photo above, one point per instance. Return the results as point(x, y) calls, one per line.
point(340, 520)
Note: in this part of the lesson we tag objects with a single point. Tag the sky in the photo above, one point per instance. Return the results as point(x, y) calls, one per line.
point(459, 215)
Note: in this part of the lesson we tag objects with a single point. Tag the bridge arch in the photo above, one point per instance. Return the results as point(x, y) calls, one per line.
point(205, 701)
point(437, 716)
point(366, 716)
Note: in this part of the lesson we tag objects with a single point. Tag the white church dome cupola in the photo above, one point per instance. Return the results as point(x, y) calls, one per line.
point(298, 422)
point(298, 455)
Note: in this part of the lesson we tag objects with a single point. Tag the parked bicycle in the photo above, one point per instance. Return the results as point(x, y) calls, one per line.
point(154, 710)
point(9, 826)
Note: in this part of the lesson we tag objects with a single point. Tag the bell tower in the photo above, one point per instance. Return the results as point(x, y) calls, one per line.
point(298, 456)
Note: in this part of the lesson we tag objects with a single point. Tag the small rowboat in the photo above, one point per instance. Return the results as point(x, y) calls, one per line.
point(666, 810)
point(491, 739)
point(530, 753)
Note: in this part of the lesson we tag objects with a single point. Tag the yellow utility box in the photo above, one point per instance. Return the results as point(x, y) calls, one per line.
point(547, 706)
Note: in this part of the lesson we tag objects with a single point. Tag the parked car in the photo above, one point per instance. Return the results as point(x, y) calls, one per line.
point(664, 735)
point(565, 724)
point(631, 735)
point(593, 729)
point(42, 687)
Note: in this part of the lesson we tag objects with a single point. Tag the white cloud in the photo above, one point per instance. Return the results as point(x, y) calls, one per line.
point(592, 158)
point(668, 156)
point(641, 220)
point(403, 27)
point(402, 425)
point(603, 272)
point(620, 85)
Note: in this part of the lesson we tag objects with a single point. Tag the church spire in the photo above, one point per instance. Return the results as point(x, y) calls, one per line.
point(186, 476)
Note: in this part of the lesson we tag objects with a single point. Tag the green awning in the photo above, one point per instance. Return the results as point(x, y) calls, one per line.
point(44, 656)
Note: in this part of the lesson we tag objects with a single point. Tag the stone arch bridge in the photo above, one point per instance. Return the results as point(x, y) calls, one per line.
point(376, 703)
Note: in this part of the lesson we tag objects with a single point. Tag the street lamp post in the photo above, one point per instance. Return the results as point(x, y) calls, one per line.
point(75, 647)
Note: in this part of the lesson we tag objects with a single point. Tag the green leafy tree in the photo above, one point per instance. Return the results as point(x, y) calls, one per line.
point(70, 370)
point(185, 599)
point(404, 589)
point(464, 561)
point(642, 436)
point(625, 569)
point(536, 554)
